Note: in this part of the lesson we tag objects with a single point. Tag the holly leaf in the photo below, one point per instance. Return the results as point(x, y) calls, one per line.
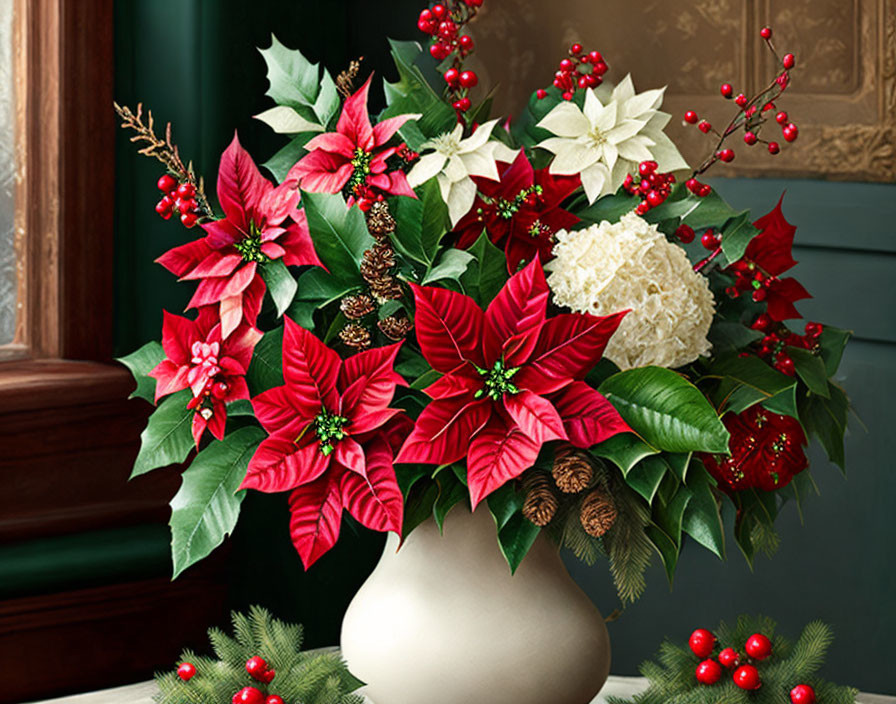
point(810, 368)
point(339, 234)
point(140, 364)
point(167, 438)
point(206, 508)
point(282, 161)
point(610, 208)
point(728, 336)
point(486, 274)
point(280, 284)
point(736, 235)
point(833, 342)
point(667, 411)
point(826, 419)
point(452, 265)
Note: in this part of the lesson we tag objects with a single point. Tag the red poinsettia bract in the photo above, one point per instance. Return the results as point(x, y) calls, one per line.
point(329, 441)
point(521, 211)
point(513, 380)
point(213, 367)
point(261, 223)
point(766, 451)
point(355, 155)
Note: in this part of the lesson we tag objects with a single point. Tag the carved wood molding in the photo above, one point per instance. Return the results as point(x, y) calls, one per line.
point(843, 95)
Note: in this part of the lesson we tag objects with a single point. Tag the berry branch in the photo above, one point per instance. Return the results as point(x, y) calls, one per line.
point(184, 191)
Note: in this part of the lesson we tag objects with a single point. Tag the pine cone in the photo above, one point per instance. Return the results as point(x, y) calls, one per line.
point(355, 336)
point(356, 307)
point(572, 470)
point(386, 288)
point(598, 513)
point(540, 504)
point(377, 262)
point(395, 328)
point(380, 222)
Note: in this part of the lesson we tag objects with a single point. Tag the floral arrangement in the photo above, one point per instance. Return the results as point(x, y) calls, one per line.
point(433, 307)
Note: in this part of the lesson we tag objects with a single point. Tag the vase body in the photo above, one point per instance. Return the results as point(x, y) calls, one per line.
point(442, 620)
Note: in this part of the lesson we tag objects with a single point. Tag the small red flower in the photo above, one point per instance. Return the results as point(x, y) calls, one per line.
point(766, 451)
point(512, 380)
point(262, 223)
point(354, 156)
point(329, 440)
point(521, 211)
point(214, 368)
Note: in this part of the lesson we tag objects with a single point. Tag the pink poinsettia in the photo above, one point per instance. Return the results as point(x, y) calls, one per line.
point(520, 212)
point(198, 357)
point(513, 380)
point(328, 440)
point(262, 223)
point(354, 157)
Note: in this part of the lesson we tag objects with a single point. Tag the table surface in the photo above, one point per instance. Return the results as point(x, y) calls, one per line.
point(142, 692)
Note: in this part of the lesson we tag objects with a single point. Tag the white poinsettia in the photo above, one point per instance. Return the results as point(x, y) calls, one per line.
point(454, 160)
point(609, 137)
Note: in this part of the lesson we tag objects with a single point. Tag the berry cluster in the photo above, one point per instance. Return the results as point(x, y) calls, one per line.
point(745, 673)
point(778, 336)
point(752, 114)
point(258, 670)
point(444, 23)
point(179, 197)
point(578, 70)
point(653, 186)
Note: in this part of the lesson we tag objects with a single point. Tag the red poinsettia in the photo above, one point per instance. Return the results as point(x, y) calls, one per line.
point(767, 257)
point(354, 156)
point(213, 367)
point(766, 451)
point(328, 440)
point(261, 223)
point(521, 211)
point(512, 380)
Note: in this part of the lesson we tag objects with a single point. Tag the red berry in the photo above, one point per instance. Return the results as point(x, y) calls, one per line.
point(802, 694)
point(595, 57)
point(708, 672)
point(186, 671)
point(750, 138)
point(575, 49)
point(541, 93)
point(600, 68)
point(705, 190)
point(704, 126)
point(654, 199)
point(759, 295)
point(185, 191)
point(728, 657)
point(741, 100)
point(690, 117)
point(645, 168)
point(727, 90)
point(567, 65)
point(447, 29)
point(774, 147)
point(758, 646)
point(781, 118)
point(726, 155)
point(702, 641)
point(463, 105)
point(692, 184)
point(256, 666)
point(685, 233)
point(790, 132)
point(785, 365)
point(762, 323)
point(268, 676)
point(189, 219)
point(747, 677)
point(466, 42)
point(439, 11)
point(765, 33)
point(164, 206)
point(273, 699)
point(451, 76)
point(567, 95)
point(426, 16)
point(709, 240)
point(789, 61)
point(248, 695)
point(814, 329)
point(166, 183)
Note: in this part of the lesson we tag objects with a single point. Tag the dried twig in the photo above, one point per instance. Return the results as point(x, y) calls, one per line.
point(345, 81)
point(164, 151)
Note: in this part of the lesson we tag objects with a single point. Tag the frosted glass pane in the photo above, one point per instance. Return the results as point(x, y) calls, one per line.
point(8, 294)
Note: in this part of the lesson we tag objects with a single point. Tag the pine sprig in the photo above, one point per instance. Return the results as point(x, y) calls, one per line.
point(163, 150)
point(629, 547)
point(315, 677)
point(672, 679)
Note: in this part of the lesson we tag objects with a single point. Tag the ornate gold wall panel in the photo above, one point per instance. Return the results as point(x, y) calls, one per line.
point(843, 94)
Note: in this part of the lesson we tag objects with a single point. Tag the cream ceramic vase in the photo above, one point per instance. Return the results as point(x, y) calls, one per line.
point(442, 621)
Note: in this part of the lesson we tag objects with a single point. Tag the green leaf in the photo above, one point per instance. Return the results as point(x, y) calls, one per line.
point(280, 164)
point(666, 547)
point(207, 507)
point(784, 402)
point(728, 336)
point(327, 103)
point(610, 208)
point(748, 380)
point(667, 411)
point(503, 503)
point(266, 368)
point(141, 363)
point(810, 368)
point(280, 283)
point(420, 223)
point(669, 515)
point(167, 438)
point(645, 477)
point(296, 82)
point(516, 539)
point(710, 211)
point(736, 235)
point(487, 273)
point(452, 265)
point(826, 419)
point(451, 493)
point(339, 234)
point(832, 342)
point(419, 505)
point(241, 407)
point(625, 450)
point(702, 519)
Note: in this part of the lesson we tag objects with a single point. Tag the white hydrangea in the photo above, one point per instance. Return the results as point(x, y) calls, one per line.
point(610, 267)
